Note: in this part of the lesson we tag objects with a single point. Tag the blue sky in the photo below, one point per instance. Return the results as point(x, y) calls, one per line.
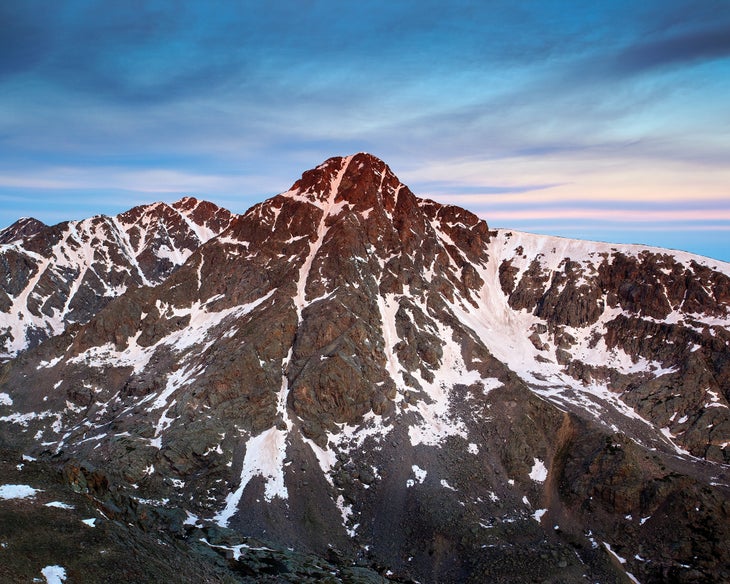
point(590, 119)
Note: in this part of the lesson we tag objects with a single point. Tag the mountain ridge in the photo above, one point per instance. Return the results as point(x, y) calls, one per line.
point(348, 365)
point(53, 276)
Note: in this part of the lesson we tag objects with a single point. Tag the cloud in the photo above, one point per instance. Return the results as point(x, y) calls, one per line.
point(140, 180)
point(476, 191)
point(676, 49)
point(620, 216)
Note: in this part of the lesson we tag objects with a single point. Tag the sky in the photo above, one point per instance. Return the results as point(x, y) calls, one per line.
point(601, 120)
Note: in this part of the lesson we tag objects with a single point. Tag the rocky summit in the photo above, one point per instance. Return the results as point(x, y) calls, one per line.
point(348, 383)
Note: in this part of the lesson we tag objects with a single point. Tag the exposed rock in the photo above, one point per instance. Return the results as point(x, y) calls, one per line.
point(21, 229)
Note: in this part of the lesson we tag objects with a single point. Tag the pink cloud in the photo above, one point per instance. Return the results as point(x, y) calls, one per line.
point(609, 215)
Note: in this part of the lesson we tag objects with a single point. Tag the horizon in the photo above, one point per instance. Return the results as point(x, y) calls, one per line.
point(602, 123)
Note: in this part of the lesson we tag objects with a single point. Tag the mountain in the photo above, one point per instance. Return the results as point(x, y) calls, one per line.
point(22, 228)
point(353, 372)
point(53, 277)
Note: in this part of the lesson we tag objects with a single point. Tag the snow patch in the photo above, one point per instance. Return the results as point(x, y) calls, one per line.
point(419, 473)
point(537, 515)
point(539, 471)
point(190, 519)
point(491, 383)
point(437, 422)
point(54, 574)
point(5, 400)
point(265, 458)
point(346, 512)
point(50, 364)
point(23, 419)
point(714, 400)
point(59, 505)
point(671, 439)
point(388, 306)
point(613, 553)
point(8, 492)
point(234, 549)
point(621, 561)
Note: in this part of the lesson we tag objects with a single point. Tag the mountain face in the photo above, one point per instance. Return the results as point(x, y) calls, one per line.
point(354, 372)
point(22, 228)
point(53, 277)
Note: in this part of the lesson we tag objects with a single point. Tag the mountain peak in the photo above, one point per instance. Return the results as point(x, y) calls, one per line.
point(361, 179)
point(186, 202)
point(23, 227)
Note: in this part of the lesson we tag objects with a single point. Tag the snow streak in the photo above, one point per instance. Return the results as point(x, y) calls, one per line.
point(265, 452)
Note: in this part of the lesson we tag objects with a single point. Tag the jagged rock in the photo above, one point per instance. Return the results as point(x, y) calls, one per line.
point(21, 229)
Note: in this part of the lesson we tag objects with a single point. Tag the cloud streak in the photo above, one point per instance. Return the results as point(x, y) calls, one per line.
point(644, 216)
point(676, 50)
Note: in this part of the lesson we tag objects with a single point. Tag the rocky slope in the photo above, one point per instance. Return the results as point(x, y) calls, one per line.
point(21, 229)
point(77, 525)
point(349, 369)
point(53, 277)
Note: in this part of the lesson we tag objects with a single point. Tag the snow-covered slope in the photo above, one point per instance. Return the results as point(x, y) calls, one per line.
point(633, 326)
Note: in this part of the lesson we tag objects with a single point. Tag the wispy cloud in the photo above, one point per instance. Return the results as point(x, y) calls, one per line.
point(623, 216)
point(677, 49)
point(145, 180)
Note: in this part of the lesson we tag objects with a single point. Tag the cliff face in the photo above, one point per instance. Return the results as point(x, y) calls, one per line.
point(347, 366)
